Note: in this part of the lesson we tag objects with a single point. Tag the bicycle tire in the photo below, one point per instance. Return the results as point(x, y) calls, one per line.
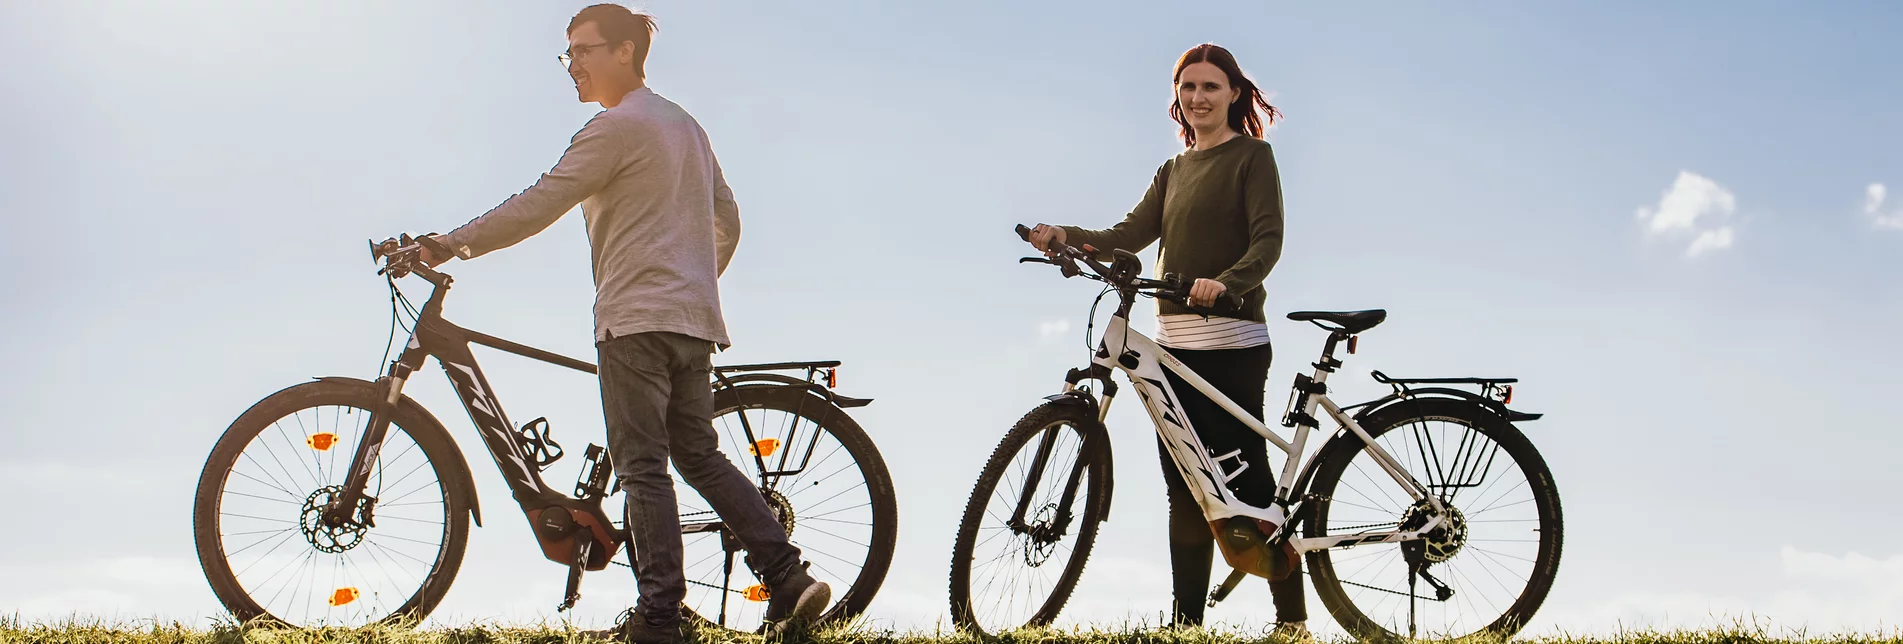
point(1333, 461)
point(427, 434)
point(1093, 455)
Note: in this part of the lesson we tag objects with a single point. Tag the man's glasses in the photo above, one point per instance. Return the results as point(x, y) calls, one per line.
point(568, 57)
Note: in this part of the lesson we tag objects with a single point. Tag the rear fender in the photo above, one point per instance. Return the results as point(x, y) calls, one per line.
point(774, 379)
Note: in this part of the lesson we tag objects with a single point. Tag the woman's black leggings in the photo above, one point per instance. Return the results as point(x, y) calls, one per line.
point(1239, 374)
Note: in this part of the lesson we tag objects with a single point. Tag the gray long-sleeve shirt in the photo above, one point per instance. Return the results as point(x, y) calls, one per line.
point(662, 223)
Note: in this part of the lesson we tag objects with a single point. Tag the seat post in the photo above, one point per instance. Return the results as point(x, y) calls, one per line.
point(1328, 362)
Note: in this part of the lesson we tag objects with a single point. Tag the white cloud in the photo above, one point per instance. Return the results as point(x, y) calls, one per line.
point(1693, 205)
point(1873, 197)
point(1710, 240)
point(1690, 199)
point(1051, 329)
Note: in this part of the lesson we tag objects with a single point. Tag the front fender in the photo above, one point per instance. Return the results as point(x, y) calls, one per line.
point(1098, 438)
point(459, 469)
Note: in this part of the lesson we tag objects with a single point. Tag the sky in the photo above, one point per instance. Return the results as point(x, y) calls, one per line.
point(1681, 225)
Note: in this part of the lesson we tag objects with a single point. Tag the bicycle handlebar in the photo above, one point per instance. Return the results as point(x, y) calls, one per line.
point(1171, 288)
point(402, 256)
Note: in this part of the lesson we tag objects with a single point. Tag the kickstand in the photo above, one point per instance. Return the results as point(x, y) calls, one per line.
point(582, 549)
point(1227, 586)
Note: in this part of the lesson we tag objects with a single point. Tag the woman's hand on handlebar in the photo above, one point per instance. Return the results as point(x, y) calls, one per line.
point(1204, 292)
point(1042, 235)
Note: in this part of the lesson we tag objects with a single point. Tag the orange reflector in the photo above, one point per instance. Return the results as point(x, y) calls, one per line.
point(1354, 341)
point(764, 447)
point(1509, 397)
point(756, 593)
point(343, 596)
point(832, 378)
point(321, 441)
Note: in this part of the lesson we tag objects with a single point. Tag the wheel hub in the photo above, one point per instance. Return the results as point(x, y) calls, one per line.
point(332, 539)
point(1444, 541)
point(1042, 542)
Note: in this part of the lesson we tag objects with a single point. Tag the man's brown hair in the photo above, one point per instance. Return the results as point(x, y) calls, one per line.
point(617, 24)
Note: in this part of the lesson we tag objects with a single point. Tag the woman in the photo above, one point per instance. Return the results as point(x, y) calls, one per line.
point(1217, 207)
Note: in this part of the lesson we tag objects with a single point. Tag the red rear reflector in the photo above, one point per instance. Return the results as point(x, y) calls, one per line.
point(1508, 400)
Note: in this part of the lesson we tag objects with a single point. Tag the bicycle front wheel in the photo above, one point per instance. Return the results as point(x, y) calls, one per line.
point(256, 518)
point(1031, 521)
point(1488, 566)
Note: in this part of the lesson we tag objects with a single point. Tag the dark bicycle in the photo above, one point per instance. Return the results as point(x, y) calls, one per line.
point(343, 502)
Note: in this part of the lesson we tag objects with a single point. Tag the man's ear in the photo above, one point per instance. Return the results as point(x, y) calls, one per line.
point(624, 53)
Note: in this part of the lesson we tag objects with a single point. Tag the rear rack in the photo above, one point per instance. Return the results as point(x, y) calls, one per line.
point(777, 366)
point(1384, 379)
point(1497, 392)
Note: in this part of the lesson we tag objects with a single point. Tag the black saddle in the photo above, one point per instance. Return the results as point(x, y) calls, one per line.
point(1351, 322)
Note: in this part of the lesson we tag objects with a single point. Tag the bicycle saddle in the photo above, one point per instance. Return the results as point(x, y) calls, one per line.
point(1351, 322)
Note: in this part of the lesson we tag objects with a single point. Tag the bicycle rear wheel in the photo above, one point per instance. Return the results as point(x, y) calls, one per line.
point(1497, 552)
point(825, 480)
point(1031, 521)
point(255, 516)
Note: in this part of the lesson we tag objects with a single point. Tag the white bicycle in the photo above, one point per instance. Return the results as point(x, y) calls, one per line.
point(1429, 515)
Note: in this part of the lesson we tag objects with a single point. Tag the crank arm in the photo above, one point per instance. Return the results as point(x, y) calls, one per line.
point(583, 547)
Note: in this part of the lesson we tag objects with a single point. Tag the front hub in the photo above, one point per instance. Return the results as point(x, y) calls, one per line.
point(1043, 536)
point(329, 538)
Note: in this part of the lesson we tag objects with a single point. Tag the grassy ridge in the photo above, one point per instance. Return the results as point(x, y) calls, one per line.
point(81, 631)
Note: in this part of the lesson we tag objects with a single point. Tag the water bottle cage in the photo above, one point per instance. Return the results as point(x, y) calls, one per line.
point(537, 446)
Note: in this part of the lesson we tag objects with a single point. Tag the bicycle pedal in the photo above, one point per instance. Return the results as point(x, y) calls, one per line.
point(596, 470)
point(1227, 586)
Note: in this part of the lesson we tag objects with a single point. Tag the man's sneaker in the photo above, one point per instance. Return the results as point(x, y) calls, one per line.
point(1292, 633)
point(632, 628)
point(796, 601)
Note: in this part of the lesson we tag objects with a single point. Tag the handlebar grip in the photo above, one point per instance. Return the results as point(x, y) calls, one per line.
point(1024, 232)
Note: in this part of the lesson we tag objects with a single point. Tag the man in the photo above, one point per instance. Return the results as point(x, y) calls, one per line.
point(662, 226)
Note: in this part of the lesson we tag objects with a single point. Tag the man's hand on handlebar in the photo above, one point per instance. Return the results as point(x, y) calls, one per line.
point(429, 257)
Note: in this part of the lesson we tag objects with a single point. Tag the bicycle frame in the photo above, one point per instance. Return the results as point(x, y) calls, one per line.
point(1143, 361)
point(449, 344)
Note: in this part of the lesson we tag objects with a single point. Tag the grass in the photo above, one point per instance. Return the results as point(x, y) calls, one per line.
point(83, 631)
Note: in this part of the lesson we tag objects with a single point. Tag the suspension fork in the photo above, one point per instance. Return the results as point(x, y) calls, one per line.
point(1047, 444)
point(342, 509)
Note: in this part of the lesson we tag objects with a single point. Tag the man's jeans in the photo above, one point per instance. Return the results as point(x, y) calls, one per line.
point(658, 402)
